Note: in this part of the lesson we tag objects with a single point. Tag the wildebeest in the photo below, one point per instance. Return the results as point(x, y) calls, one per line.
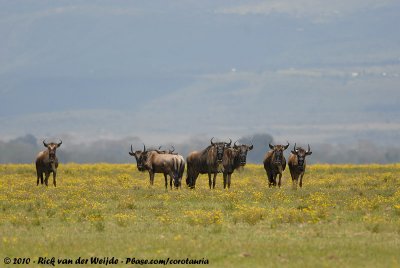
point(207, 161)
point(172, 151)
point(297, 164)
point(275, 163)
point(234, 158)
point(154, 162)
point(47, 162)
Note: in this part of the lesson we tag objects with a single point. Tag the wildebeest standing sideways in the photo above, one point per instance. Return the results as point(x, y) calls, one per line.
point(167, 164)
point(297, 164)
point(207, 161)
point(275, 163)
point(234, 158)
point(47, 162)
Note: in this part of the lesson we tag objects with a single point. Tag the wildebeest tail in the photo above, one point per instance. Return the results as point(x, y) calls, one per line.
point(181, 167)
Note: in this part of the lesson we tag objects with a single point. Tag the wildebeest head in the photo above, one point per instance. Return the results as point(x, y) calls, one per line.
point(177, 181)
point(278, 152)
point(220, 146)
point(242, 149)
point(141, 157)
point(52, 147)
point(171, 151)
point(301, 156)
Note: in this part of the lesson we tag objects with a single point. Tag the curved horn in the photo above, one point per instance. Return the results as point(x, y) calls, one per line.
point(308, 149)
point(59, 144)
point(131, 152)
point(144, 148)
point(212, 141)
point(294, 148)
point(271, 146)
point(173, 149)
point(286, 145)
point(230, 142)
point(44, 143)
point(234, 145)
point(159, 147)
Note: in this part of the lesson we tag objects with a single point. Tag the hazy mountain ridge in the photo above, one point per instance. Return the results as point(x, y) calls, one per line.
point(171, 71)
point(24, 149)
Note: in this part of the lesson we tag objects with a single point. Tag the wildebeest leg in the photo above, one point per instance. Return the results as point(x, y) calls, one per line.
point(151, 174)
point(229, 180)
point(274, 179)
point(279, 181)
point(225, 175)
point(214, 180)
point(39, 176)
point(270, 179)
point(209, 180)
point(166, 181)
point(46, 179)
point(294, 179)
point(294, 183)
point(54, 178)
point(194, 179)
point(189, 179)
point(301, 179)
point(171, 177)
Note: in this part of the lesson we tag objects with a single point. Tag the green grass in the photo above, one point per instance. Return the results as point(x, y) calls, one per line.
point(344, 216)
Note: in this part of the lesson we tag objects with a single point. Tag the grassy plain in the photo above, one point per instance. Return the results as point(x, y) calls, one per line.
point(344, 216)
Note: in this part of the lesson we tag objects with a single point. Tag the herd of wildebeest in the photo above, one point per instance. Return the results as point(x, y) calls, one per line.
point(218, 157)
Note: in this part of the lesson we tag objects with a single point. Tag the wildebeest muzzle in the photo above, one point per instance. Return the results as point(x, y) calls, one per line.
point(278, 158)
point(220, 153)
point(242, 159)
point(300, 163)
point(52, 157)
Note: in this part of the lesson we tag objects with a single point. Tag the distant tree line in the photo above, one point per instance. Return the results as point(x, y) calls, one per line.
point(24, 149)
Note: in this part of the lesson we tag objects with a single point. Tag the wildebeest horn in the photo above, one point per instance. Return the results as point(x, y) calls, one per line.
point(173, 149)
point(212, 141)
point(308, 149)
point(230, 142)
point(59, 144)
point(159, 147)
point(44, 143)
point(131, 152)
point(251, 146)
point(144, 148)
point(234, 145)
point(271, 146)
point(286, 145)
point(294, 148)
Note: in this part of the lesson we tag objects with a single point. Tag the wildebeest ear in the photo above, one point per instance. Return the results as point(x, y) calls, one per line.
point(308, 153)
point(251, 147)
point(271, 146)
point(59, 144)
point(132, 154)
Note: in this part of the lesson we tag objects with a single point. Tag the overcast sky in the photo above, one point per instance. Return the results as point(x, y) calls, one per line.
point(304, 70)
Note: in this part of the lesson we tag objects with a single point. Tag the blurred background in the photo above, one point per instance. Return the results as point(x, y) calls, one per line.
point(102, 75)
